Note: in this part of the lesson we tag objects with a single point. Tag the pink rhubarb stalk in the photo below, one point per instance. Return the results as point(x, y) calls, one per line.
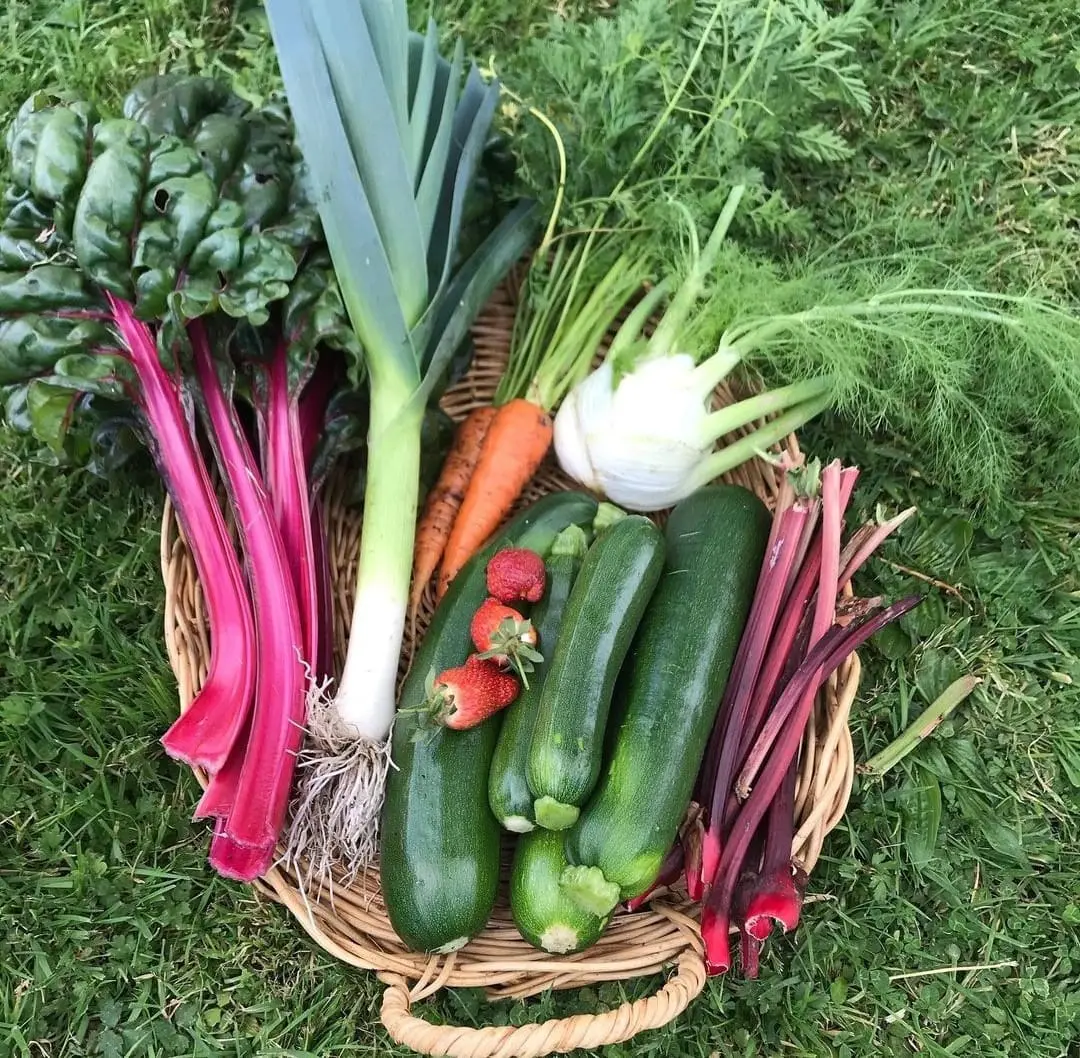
point(820, 663)
point(243, 848)
point(206, 731)
point(772, 586)
point(865, 542)
point(776, 896)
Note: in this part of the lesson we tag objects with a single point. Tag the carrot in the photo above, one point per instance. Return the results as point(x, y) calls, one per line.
point(516, 443)
point(445, 498)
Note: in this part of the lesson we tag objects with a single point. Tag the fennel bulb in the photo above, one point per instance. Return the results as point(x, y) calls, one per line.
point(638, 441)
point(647, 440)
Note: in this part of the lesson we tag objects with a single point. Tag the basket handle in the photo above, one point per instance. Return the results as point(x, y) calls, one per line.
point(549, 1037)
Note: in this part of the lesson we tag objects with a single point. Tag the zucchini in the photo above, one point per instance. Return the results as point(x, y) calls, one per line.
point(439, 842)
point(508, 789)
point(544, 915)
point(617, 577)
point(669, 695)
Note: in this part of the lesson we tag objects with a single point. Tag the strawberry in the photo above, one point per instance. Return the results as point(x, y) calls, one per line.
point(516, 575)
point(467, 695)
point(502, 634)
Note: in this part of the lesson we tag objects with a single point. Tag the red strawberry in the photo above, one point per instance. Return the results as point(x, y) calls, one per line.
point(516, 574)
point(468, 695)
point(500, 633)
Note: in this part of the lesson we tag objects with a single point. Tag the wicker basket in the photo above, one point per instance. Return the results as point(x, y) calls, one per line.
point(353, 926)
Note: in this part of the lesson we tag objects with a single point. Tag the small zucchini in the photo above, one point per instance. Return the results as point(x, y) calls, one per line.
point(439, 842)
point(544, 915)
point(609, 597)
point(508, 789)
point(669, 695)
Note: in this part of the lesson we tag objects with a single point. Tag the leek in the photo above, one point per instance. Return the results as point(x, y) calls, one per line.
point(391, 138)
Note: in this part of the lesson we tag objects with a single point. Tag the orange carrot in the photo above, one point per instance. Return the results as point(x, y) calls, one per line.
point(516, 443)
point(445, 498)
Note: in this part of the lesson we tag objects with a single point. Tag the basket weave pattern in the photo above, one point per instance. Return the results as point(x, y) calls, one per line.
point(350, 921)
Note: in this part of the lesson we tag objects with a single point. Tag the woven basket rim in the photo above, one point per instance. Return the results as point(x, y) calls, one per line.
point(350, 923)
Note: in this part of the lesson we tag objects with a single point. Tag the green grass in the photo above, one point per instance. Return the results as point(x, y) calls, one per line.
point(119, 941)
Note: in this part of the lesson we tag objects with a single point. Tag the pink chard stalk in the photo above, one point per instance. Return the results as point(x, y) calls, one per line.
point(128, 240)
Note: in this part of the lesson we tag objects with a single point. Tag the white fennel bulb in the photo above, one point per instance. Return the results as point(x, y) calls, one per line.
point(639, 442)
point(650, 440)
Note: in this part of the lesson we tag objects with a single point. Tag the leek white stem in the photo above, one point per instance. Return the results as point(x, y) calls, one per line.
point(365, 698)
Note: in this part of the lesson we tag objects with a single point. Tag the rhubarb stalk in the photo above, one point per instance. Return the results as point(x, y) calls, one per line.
point(820, 663)
point(771, 589)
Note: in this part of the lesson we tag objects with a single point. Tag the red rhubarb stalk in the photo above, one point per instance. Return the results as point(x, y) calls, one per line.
point(777, 897)
point(825, 657)
point(781, 649)
point(824, 610)
point(763, 612)
point(864, 543)
point(706, 776)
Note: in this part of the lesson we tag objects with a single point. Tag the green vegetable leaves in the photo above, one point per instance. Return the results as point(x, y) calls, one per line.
point(920, 805)
point(188, 205)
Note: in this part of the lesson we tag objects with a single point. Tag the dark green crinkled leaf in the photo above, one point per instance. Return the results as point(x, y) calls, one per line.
point(263, 275)
point(115, 441)
point(60, 162)
point(24, 134)
point(31, 345)
point(313, 312)
point(107, 218)
point(173, 104)
point(344, 432)
point(49, 286)
point(50, 409)
point(26, 235)
point(190, 204)
point(102, 376)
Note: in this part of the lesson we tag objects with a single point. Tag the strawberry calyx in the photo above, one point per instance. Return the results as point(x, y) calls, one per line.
point(502, 635)
point(463, 697)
